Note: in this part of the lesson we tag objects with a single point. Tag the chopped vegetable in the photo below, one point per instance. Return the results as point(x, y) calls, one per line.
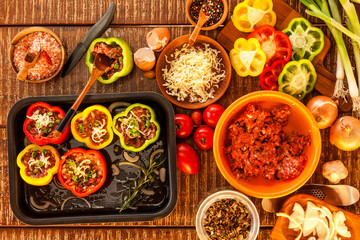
point(306, 41)
point(251, 14)
point(298, 78)
point(334, 171)
point(269, 77)
point(247, 58)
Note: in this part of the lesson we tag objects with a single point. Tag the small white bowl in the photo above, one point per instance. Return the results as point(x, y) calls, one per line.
point(227, 194)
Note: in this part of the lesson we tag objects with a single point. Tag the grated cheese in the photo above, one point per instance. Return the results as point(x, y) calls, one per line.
point(42, 159)
point(41, 120)
point(194, 73)
point(98, 132)
point(80, 170)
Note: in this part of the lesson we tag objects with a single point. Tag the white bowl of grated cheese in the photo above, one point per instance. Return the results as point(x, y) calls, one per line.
point(193, 77)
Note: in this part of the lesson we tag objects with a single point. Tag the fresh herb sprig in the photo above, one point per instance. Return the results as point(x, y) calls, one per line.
point(144, 179)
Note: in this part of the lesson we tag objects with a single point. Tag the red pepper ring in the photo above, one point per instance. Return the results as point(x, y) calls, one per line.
point(39, 137)
point(275, 44)
point(82, 172)
point(268, 78)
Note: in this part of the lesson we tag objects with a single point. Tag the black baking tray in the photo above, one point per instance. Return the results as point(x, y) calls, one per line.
point(105, 203)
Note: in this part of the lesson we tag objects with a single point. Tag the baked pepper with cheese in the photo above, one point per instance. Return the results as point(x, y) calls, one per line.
point(38, 164)
point(247, 58)
point(136, 127)
point(118, 53)
point(93, 127)
point(252, 14)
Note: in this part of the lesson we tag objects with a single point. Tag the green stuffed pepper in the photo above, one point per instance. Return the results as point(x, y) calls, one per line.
point(297, 78)
point(306, 41)
point(136, 127)
point(117, 51)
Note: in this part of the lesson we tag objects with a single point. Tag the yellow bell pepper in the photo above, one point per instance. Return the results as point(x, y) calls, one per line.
point(251, 14)
point(247, 58)
point(93, 127)
point(38, 164)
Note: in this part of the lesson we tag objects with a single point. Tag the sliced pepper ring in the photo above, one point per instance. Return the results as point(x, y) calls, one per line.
point(135, 128)
point(37, 157)
point(247, 58)
point(298, 78)
point(126, 58)
point(252, 14)
point(275, 44)
point(306, 41)
point(84, 129)
point(268, 78)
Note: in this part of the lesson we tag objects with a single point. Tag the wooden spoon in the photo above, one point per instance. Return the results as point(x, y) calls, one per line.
point(30, 59)
point(100, 65)
point(282, 232)
point(202, 20)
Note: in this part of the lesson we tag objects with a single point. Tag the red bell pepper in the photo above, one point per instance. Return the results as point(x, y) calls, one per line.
point(41, 123)
point(81, 171)
point(275, 44)
point(268, 78)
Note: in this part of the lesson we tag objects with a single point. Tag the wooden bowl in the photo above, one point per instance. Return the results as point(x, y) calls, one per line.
point(27, 31)
point(222, 19)
point(177, 44)
point(301, 120)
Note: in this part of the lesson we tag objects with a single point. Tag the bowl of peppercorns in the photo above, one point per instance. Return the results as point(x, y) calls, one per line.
point(217, 10)
point(227, 215)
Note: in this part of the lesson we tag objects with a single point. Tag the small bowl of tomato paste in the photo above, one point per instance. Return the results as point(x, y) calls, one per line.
point(267, 144)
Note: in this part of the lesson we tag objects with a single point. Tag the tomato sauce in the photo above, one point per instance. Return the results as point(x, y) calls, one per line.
point(257, 145)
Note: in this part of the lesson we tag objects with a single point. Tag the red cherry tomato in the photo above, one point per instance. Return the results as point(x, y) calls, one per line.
point(183, 125)
point(196, 116)
point(212, 114)
point(187, 159)
point(203, 137)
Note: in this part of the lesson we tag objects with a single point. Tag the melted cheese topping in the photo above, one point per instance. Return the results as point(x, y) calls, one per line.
point(98, 132)
point(194, 73)
point(80, 169)
point(41, 120)
point(127, 126)
point(42, 159)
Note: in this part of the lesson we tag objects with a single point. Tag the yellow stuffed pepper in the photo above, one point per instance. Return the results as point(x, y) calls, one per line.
point(247, 58)
point(251, 14)
point(38, 164)
point(93, 126)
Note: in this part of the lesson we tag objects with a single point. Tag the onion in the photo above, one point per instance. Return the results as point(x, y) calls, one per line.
point(148, 191)
point(129, 158)
point(345, 133)
point(118, 104)
point(162, 174)
point(115, 170)
point(63, 204)
point(324, 110)
point(46, 204)
point(160, 150)
point(57, 184)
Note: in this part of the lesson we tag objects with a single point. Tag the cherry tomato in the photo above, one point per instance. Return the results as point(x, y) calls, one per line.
point(183, 125)
point(196, 116)
point(187, 159)
point(212, 114)
point(203, 137)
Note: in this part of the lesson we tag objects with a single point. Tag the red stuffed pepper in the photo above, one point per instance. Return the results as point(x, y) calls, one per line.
point(41, 123)
point(81, 171)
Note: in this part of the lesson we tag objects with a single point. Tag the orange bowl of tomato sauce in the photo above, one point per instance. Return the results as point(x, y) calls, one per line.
point(301, 121)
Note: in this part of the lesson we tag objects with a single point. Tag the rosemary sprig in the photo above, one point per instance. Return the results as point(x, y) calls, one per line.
point(144, 179)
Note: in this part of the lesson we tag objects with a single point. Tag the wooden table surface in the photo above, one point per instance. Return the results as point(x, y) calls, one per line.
point(71, 20)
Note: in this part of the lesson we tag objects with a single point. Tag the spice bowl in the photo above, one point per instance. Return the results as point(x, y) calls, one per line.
point(249, 213)
point(213, 26)
point(26, 32)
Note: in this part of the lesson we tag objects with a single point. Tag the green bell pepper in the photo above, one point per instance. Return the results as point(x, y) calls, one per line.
point(126, 58)
point(136, 127)
point(306, 41)
point(297, 78)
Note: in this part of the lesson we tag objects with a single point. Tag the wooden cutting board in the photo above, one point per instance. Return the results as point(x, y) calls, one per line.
point(284, 13)
point(282, 232)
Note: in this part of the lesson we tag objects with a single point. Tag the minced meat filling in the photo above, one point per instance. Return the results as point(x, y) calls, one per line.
point(93, 126)
point(83, 172)
point(38, 162)
point(114, 54)
point(136, 127)
point(258, 146)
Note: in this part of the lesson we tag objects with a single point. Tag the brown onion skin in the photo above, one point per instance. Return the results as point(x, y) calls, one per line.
point(345, 133)
point(324, 110)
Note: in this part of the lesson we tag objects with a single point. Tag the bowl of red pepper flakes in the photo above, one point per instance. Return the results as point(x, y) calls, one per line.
point(266, 171)
point(51, 58)
point(217, 10)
